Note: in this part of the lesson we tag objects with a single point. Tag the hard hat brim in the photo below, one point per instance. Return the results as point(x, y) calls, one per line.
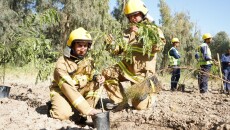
point(128, 15)
point(82, 40)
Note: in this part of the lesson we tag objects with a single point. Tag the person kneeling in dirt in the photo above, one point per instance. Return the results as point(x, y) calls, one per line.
point(74, 88)
point(134, 80)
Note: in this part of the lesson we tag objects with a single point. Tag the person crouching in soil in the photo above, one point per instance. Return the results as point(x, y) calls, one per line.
point(75, 86)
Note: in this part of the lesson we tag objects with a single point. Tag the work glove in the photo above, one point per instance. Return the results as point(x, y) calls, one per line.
point(134, 29)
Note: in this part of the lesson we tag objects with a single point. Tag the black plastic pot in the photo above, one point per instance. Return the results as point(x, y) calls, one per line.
point(181, 87)
point(4, 91)
point(101, 121)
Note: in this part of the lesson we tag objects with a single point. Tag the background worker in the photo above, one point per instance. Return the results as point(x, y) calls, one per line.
point(174, 63)
point(128, 73)
point(225, 60)
point(205, 61)
point(75, 86)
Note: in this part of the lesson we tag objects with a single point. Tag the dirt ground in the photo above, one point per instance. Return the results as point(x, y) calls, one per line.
point(26, 109)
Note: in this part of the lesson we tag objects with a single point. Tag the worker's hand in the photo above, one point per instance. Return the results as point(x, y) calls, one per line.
point(100, 79)
point(94, 112)
point(134, 29)
point(179, 55)
point(214, 62)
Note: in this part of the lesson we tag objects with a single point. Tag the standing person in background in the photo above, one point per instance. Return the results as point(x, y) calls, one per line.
point(205, 61)
point(75, 85)
point(174, 63)
point(225, 60)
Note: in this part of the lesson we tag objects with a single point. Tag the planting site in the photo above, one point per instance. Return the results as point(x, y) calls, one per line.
point(114, 65)
point(26, 109)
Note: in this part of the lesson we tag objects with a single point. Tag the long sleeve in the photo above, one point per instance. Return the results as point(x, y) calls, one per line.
point(173, 53)
point(225, 60)
point(61, 74)
point(204, 51)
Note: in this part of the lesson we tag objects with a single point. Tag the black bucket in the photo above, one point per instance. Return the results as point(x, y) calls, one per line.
point(4, 91)
point(181, 87)
point(101, 121)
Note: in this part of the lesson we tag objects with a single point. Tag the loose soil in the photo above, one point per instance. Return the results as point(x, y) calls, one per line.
point(26, 109)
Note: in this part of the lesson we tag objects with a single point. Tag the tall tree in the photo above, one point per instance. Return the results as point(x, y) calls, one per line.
point(9, 20)
point(118, 13)
point(36, 29)
point(220, 44)
point(24, 38)
point(183, 30)
point(90, 14)
point(166, 23)
point(180, 26)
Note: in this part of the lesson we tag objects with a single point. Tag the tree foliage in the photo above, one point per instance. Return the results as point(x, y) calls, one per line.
point(178, 25)
point(26, 41)
point(35, 31)
point(220, 44)
point(119, 14)
point(40, 29)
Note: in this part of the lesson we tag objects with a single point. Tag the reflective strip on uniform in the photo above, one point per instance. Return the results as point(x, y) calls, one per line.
point(138, 49)
point(52, 94)
point(90, 78)
point(172, 60)
point(111, 82)
point(78, 101)
point(127, 74)
point(61, 81)
point(79, 78)
point(92, 94)
point(55, 91)
point(123, 67)
point(76, 80)
point(202, 61)
point(152, 86)
point(66, 79)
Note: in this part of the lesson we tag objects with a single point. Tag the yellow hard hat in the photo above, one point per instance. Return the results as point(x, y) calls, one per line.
point(161, 35)
point(206, 36)
point(175, 40)
point(79, 34)
point(133, 6)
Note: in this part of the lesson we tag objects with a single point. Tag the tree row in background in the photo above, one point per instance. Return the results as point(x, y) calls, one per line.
point(35, 31)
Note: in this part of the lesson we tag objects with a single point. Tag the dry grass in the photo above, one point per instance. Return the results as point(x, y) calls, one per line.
point(23, 74)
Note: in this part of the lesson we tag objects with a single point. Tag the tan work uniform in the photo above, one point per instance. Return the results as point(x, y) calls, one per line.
point(141, 67)
point(72, 88)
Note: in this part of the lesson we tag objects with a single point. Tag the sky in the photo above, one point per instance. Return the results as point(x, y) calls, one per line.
point(210, 16)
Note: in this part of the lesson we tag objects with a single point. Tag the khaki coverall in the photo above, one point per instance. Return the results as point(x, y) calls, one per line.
point(72, 88)
point(141, 67)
